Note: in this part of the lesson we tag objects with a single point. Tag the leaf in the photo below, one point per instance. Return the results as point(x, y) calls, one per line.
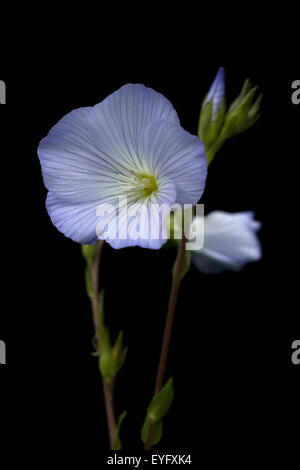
point(160, 404)
point(157, 409)
point(111, 358)
point(105, 358)
point(246, 87)
point(157, 434)
point(118, 444)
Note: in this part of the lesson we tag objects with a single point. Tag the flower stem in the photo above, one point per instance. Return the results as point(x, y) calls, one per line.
point(214, 149)
point(108, 386)
point(108, 389)
point(168, 330)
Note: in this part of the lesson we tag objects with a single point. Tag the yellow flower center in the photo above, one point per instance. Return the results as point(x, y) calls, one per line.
point(146, 184)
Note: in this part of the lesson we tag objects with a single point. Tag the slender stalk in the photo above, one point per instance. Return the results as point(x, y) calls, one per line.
point(168, 330)
point(108, 386)
point(213, 150)
point(108, 389)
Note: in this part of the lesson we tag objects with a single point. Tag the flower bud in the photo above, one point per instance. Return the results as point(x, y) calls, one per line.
point(213, 111)
point(243, 113)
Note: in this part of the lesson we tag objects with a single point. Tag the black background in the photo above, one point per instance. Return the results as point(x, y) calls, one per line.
point(236, 389)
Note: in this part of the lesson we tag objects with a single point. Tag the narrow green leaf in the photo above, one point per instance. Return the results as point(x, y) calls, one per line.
point(160, 404)
point(118, 345)
point(157, 434)
point(252, 114)
point(118, 444)
point(246, 87)
point(105, 358)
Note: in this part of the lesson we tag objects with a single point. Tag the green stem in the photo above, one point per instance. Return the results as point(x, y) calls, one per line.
point(108, 386)
point(178, 267)
point(213, 150)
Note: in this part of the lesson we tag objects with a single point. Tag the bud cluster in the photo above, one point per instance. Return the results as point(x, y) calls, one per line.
point(217, 124)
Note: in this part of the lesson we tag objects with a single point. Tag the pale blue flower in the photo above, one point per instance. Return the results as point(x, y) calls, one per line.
point(230, 242)
point(131, 146)
point(216, 92)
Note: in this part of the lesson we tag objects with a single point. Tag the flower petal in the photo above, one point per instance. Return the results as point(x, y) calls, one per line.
point(76, 221)
point(171, 153)
point(72, 166)
point(144, 222)
point(140, 223)
point(93, 156)
point(123, 115)
point(92, 151)
point(230, 242)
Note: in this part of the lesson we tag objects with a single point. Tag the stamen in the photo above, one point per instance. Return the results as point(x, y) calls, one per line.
point(146, 184)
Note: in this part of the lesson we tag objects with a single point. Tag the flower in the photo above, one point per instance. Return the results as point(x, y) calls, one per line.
point(230, 242)
point(130, 147)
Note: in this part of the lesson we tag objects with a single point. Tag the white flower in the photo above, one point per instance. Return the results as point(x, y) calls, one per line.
point(131, 146)
point(230, 242)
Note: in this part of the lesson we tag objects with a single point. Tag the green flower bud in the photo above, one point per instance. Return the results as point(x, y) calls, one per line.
point(245, 89)
point(209, 129)
point(243, 113)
